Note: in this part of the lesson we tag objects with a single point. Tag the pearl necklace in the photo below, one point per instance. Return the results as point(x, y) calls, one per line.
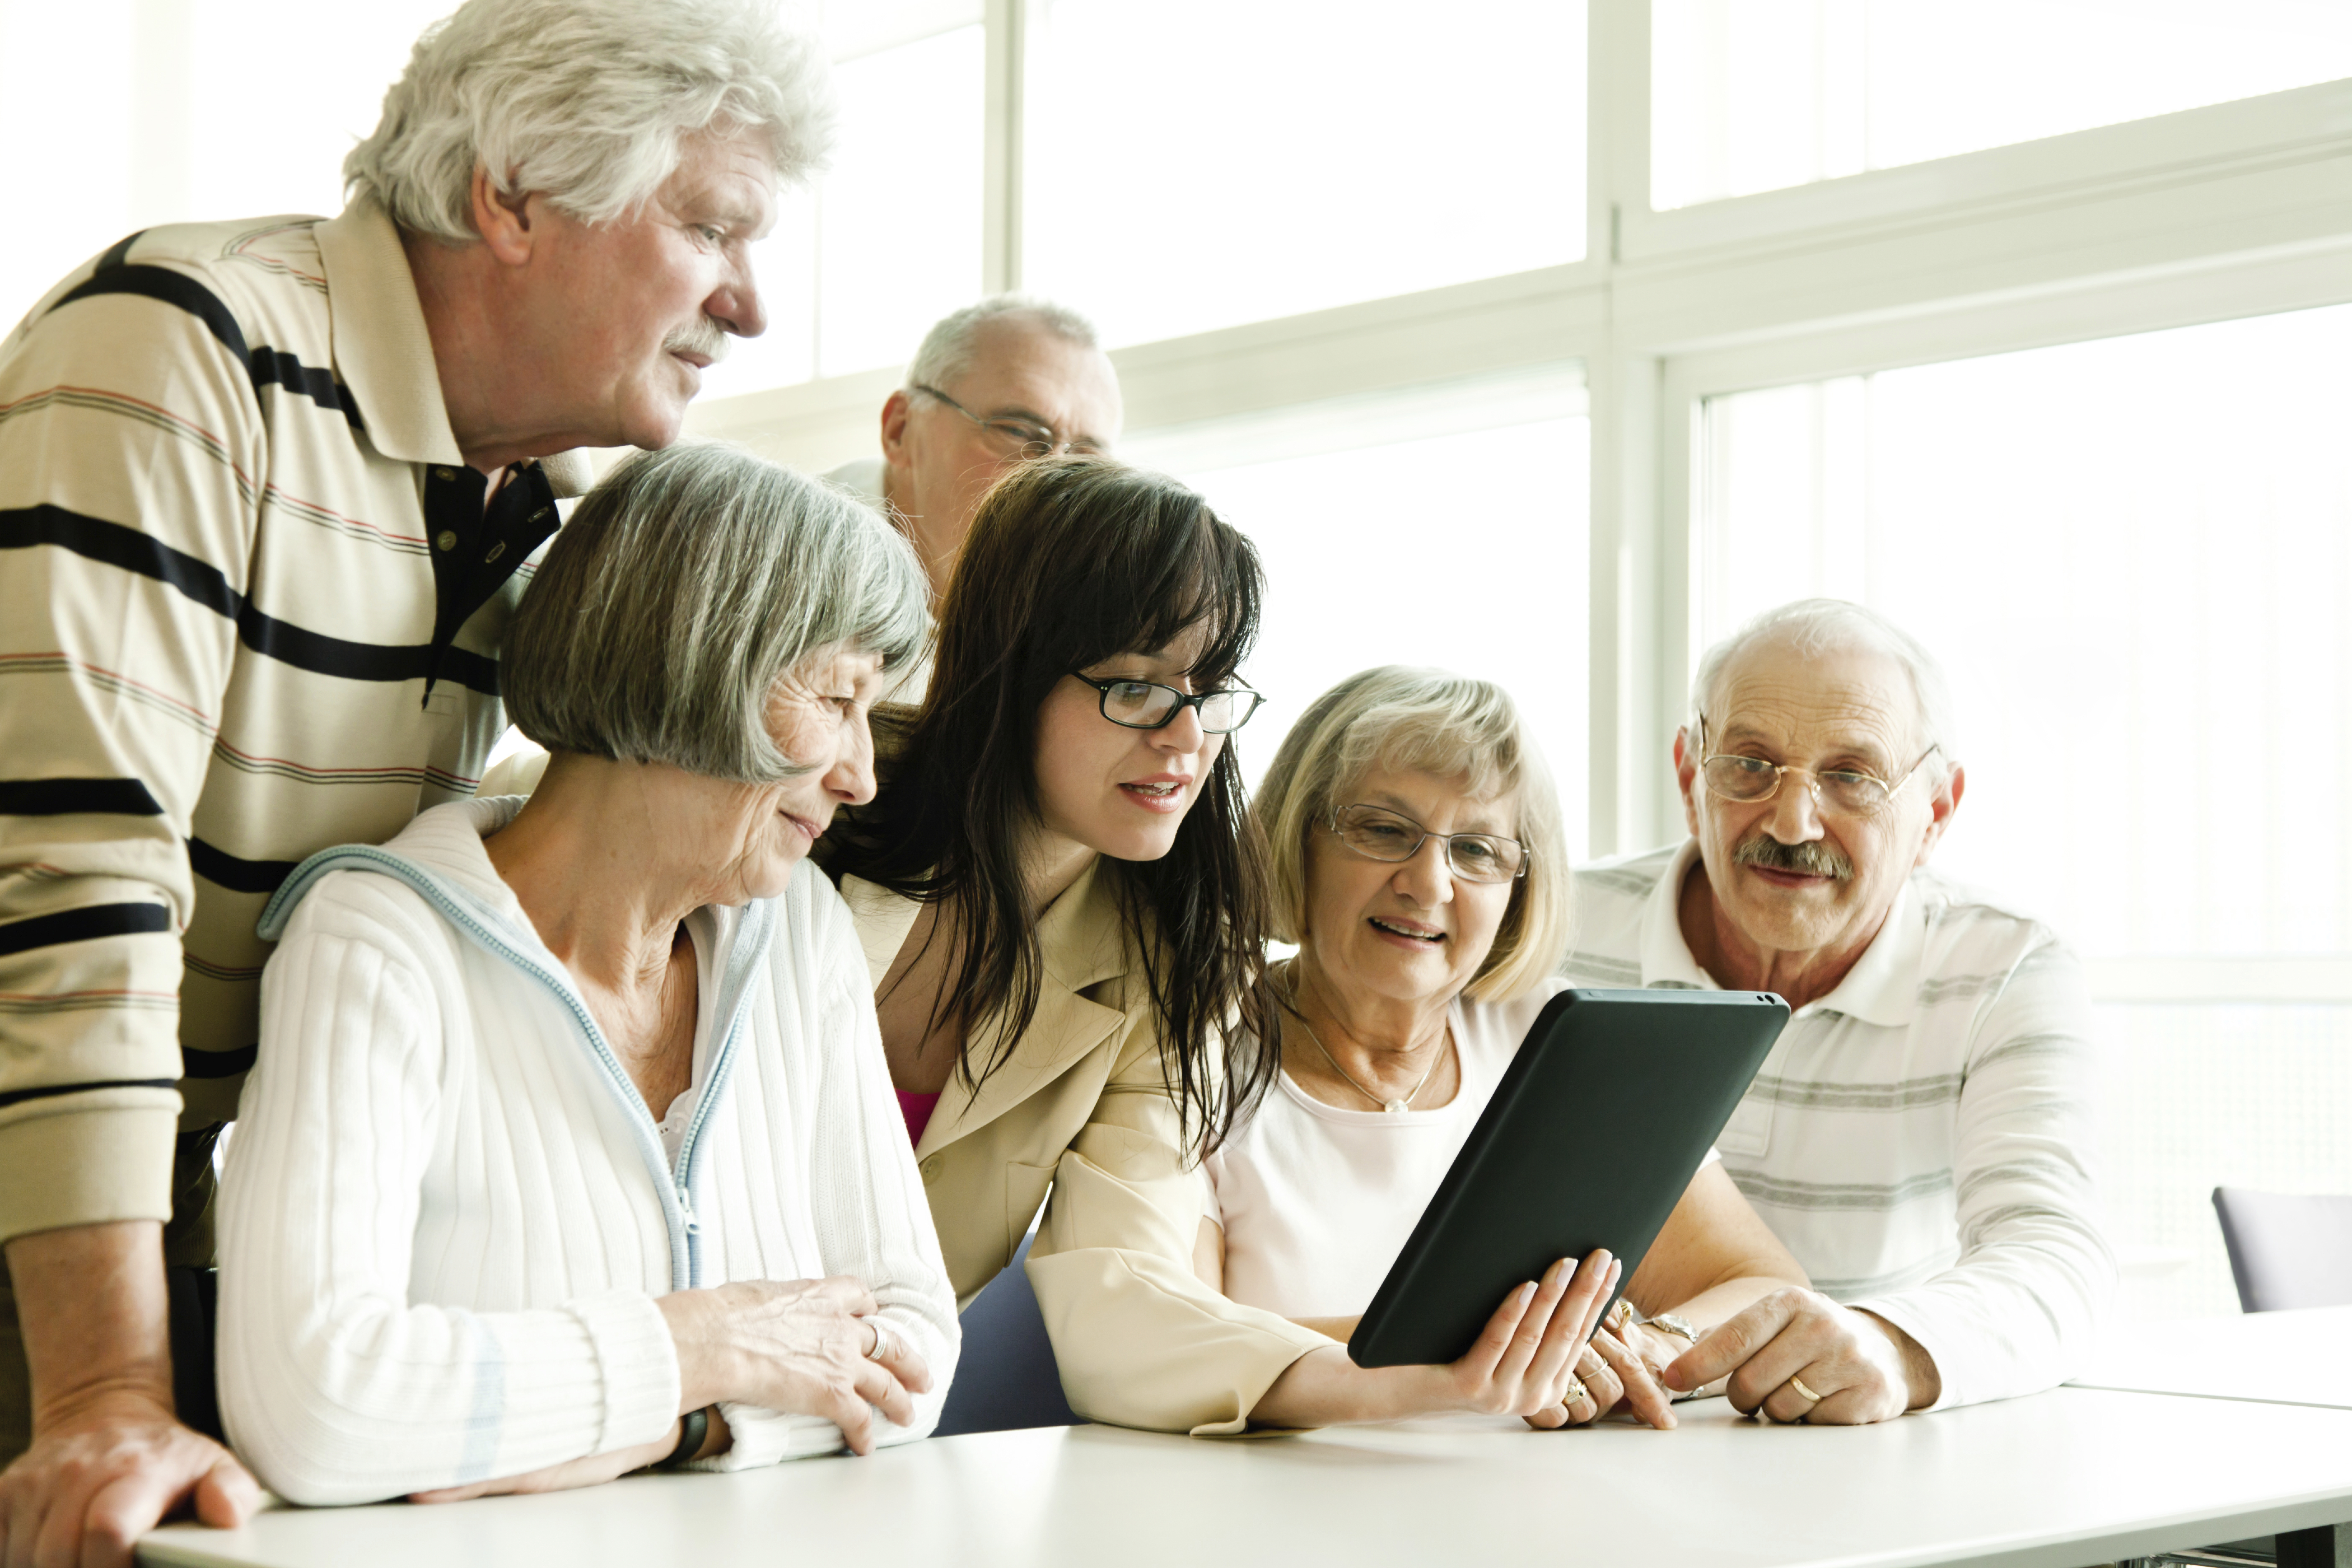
point(1394, 1107)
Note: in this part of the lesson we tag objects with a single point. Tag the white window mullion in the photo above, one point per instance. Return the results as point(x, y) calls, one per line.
point(1008, 69)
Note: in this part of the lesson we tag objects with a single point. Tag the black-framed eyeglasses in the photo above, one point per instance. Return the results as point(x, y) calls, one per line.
point(1849, 791)
point(1014, 438)
point(1148, 705)
point(1379, 833)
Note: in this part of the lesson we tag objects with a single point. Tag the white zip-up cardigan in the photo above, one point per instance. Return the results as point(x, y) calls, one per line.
point(447, 1212)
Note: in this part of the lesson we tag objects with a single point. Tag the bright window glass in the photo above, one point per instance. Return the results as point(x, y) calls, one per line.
point(2136, 555)
point(166, 122)
point(2135, 558)
point(1464, 549)
point(1757, 95)
point(889, 239)
point(1197, 166)
point(2248, 1095)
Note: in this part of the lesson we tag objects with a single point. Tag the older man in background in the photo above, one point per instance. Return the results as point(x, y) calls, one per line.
point(1006, 379)
point(1920, 1135)
point(264, 490)
point(996, 384)
point(993, 384)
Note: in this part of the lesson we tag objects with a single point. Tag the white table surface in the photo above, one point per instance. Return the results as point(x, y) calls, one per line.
point(2061, 1479)
point(2283, 1358)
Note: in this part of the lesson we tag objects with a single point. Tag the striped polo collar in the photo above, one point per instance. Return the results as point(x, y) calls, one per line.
point(1882, 988)
point(383, 353)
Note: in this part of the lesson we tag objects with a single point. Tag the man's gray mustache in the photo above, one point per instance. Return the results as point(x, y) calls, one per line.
point(706, 337)
point(1814, 857)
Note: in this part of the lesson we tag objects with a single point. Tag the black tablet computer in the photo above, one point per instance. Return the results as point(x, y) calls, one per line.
point(1598, 1126)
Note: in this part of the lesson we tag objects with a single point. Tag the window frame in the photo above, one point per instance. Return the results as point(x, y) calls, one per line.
point(2231, 210)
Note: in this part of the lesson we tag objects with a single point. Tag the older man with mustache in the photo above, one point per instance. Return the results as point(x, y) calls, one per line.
point(269, 489)
point(1920, 1135)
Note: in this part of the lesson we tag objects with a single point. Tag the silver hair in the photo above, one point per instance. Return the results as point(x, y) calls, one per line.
point(587, 102)
point(685, 587)
point(949, 346)
point(1817, 625)
point(1428, 720)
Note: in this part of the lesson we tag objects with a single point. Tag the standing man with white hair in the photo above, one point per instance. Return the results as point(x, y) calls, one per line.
point(265, 490)
point(1920, 1135)
point(998, 382)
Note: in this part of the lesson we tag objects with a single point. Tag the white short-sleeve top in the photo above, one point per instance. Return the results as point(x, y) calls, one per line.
point(1317, 1200)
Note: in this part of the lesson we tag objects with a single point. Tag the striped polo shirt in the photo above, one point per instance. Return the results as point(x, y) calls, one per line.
point(1921, 1137)
point(251, 602)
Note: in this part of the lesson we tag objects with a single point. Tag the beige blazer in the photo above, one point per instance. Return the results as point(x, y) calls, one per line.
point(1080, 1108)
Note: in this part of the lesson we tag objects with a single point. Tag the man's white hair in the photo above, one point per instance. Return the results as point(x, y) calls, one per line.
point(1817, 625)
point(949, 346)
point(586, 102)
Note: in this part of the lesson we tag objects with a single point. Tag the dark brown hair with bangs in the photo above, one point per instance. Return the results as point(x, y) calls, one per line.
point(1071, 561)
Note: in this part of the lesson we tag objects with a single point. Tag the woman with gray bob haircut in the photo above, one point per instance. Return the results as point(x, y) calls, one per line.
point(572, 1148)
point(1420, 864)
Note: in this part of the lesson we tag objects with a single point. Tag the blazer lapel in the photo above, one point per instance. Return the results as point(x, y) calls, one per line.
point(1080, 939)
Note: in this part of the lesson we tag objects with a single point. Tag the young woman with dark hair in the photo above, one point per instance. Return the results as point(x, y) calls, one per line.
point(1063, 908)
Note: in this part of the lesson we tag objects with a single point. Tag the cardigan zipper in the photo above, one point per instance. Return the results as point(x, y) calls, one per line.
point(674, 1185)
point(734, 984)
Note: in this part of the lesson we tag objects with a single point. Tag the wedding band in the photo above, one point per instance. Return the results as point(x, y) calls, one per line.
point(1622, 1313)
point(879, 1339)
point(1802, 1392)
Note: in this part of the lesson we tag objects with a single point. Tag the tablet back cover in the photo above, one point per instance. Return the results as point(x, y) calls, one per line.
point(1590, 1140)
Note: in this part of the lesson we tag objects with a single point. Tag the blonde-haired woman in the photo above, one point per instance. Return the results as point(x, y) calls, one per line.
point(1420, 865)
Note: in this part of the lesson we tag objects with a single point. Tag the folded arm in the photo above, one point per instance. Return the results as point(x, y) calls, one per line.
point(874, 1226)
point(2035, 1275)
point(332, 1383)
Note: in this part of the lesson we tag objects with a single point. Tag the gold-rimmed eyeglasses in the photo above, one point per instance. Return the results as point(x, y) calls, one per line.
point(1849, 791)
point(1014, 437)
point(1379, 833)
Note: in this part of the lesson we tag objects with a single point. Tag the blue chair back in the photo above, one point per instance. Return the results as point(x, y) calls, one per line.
point(1006, 1377)
point(2287, 1249)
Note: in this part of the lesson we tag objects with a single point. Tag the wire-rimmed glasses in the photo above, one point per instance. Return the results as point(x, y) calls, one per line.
point(1148, 705)
point(1379, 833)
point(1014, 438)
point(1849, 791)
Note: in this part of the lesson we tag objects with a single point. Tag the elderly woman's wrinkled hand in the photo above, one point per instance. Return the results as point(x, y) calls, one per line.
point(805, 1347)
point(1621, 1366)
point(1796, 1356)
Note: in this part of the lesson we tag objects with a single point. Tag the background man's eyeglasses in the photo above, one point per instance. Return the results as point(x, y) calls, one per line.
point(1377, 833)
point(1849, 791)
point(1014, 438)
point(1147, 705)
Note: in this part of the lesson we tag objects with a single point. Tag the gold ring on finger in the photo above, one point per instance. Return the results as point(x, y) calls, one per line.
point(1802, 1392)
point(1577, 1393)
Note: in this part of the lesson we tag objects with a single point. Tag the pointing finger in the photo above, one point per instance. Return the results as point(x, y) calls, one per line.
point(1731, 1342)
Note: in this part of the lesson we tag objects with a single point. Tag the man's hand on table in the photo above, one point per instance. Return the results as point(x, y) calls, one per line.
point(1861, 1367)
point(108, 1459)
point(102, 1473)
